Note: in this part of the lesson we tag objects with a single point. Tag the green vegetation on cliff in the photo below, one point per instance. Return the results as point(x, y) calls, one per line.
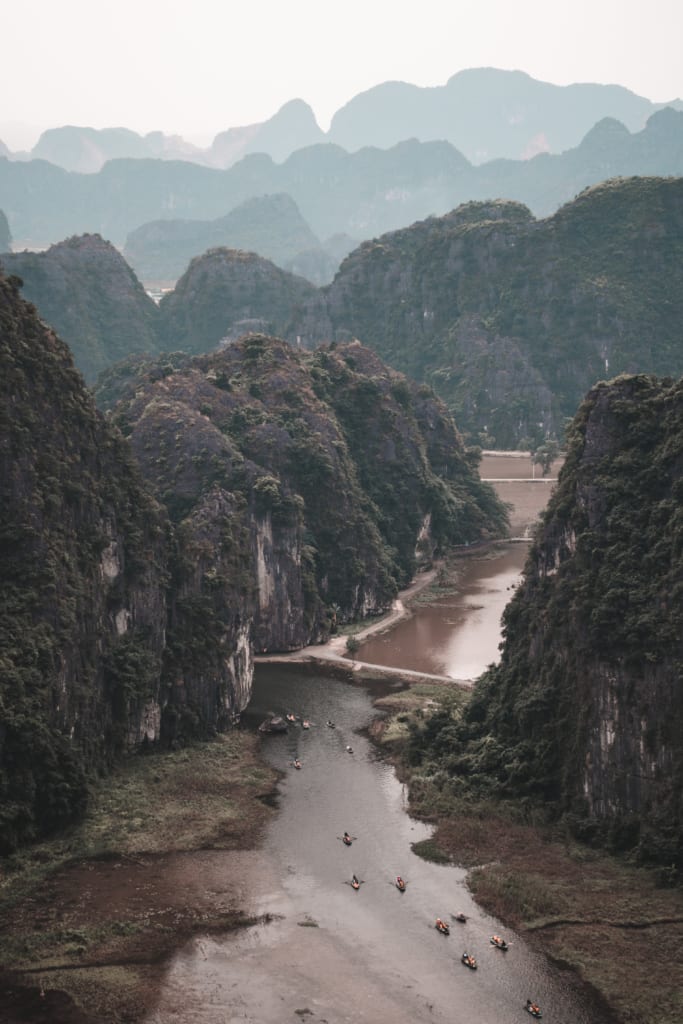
point(82, 606)
point(512, 320)
point(227, 293)
point(85, 290)
point(363, 465)
point(584, 715)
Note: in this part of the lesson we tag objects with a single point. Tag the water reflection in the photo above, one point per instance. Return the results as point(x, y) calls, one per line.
point(458, 636)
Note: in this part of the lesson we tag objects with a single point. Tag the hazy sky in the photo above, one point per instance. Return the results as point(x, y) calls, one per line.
point(197, 67)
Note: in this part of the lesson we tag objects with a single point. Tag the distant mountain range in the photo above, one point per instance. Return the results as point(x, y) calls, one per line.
point(509, 318)
point(272, 226)
point(486, 113)
point(361, 194)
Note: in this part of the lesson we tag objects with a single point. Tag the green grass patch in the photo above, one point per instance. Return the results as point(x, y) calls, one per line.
point(429, 850)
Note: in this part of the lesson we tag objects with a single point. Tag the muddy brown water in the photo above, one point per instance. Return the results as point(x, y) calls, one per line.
point(457, 635)
point(333, 954)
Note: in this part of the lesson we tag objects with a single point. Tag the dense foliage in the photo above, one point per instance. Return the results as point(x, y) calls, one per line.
point(87, 292)
point(509, 319)
point(584, 714)
point(357, 454)
point(226, 293)
point(512, 320)
point(82, 549)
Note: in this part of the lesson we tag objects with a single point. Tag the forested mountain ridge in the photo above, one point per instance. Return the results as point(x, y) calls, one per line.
point(271, 226)
point(584, 713)
point(487, 113)
point(330, 444)
point(226, 293)
point(511, 319)
point(125, 623)
point(84, 288)
point(359, 194)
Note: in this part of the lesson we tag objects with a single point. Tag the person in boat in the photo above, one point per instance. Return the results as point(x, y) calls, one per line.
point(399, 882)
point(347, 838)
point(441, 925)
point(354, 881)
point(533, 1007)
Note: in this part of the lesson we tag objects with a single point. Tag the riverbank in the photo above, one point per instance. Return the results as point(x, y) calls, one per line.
point(615, 925)
point(165, 853)
point(89, 918)
point(164, 858)
point(428, 587)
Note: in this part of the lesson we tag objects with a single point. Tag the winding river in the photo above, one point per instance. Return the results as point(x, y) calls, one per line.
point(328, 953)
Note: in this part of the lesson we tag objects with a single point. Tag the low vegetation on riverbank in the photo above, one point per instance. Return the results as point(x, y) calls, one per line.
point(89, 916)
point(611, 922)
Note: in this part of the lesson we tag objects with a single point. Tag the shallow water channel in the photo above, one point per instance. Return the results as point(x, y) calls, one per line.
point(336, 954)
point(331, 953)
point(458, 634)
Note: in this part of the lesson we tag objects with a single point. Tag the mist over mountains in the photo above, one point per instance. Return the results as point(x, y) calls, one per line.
point(486, 113)
point(360, 194)
point(509, 318)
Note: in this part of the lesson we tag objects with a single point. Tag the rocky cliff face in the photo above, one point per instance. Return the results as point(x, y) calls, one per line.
point(83, 598)
point(336, 460)
point(88, 293)
point(300, 490)
point(226, 293)
point(511, 319)
point(585, 710)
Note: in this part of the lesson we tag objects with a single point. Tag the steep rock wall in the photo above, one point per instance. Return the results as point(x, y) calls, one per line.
point(586, 707)
point(83, 556)
point(337, 460)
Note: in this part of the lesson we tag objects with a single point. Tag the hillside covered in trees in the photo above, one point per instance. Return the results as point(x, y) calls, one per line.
point(282, 493)
point(510, 319)
point(360, 194)
point(583, 717)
